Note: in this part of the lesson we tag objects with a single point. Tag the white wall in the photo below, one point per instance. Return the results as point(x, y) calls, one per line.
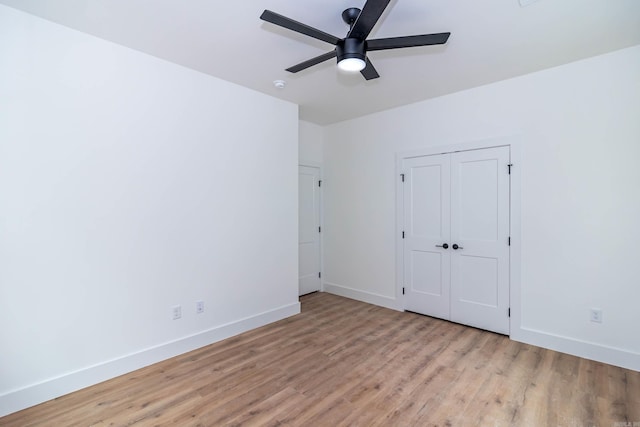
point(310, 143)
point(580, 124)
point(129, 185)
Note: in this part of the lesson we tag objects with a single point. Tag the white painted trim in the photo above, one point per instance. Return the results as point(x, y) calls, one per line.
point(34, 394)
point(514, 143)
point(311, 164)
point(399, 228)
point(498, 141)
point(515, 258)
point(588, 350)
point(322, 227)
point(358, 295)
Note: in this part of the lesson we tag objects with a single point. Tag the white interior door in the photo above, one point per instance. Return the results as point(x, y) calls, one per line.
point(427, 229)
point(308, 229)
point(480, 232)
point(456, 237)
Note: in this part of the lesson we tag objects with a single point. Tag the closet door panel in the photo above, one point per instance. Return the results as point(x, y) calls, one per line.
point(480, 236)
point(426, 217)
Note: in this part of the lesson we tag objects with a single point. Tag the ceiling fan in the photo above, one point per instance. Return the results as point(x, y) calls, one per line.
point(351, 51)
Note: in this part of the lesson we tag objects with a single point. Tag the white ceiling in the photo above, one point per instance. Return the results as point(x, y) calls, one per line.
point(491, 40)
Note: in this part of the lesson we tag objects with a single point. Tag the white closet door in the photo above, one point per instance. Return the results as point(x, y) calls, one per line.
point(456, 237)
point(427, 228)
point(480, 231)
point(308, 229)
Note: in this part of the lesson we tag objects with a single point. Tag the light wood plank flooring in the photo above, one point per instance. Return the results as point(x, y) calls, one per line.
point(343, 362)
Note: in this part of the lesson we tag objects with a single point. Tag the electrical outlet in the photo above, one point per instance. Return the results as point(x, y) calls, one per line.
point(596, 315)
point(176, 312)
point(199, 307)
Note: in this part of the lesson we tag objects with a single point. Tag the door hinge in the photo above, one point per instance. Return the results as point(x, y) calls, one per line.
point(509, 166)
point(319, 229)
point(402, 176)
point(319, 275)
point(402, 291)
point(320, 183)
point(509, 240)
point(509, 311)
point(403, 234)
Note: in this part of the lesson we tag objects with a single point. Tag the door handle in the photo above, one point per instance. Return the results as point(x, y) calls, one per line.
point(444, 245)
point(456, 247)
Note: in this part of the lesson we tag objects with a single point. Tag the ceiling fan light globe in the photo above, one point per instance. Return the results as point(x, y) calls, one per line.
point(352, 65)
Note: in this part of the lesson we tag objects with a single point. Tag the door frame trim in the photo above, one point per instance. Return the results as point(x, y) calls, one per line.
point(320, 219)
point(514, 142)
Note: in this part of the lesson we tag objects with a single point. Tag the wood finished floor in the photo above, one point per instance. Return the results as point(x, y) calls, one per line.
point(343, 362)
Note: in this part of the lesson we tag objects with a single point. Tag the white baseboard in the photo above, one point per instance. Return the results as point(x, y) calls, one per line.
point(587, 350)
point(17, 400)
point(363, 296)
point(563, 344)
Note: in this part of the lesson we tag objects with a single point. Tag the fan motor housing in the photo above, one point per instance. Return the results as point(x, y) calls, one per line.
point(351, 48)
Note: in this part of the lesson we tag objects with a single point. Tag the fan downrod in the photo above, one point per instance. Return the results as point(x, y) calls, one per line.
point(350, 15)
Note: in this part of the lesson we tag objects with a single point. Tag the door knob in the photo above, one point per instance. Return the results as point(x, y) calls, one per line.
point(456, 247)
point(444, 245)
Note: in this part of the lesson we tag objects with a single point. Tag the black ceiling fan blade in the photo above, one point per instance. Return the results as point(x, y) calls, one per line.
point(407, 41)
point(311, 62)
point(298, 27)
point(369, 72)
point(370, 14)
